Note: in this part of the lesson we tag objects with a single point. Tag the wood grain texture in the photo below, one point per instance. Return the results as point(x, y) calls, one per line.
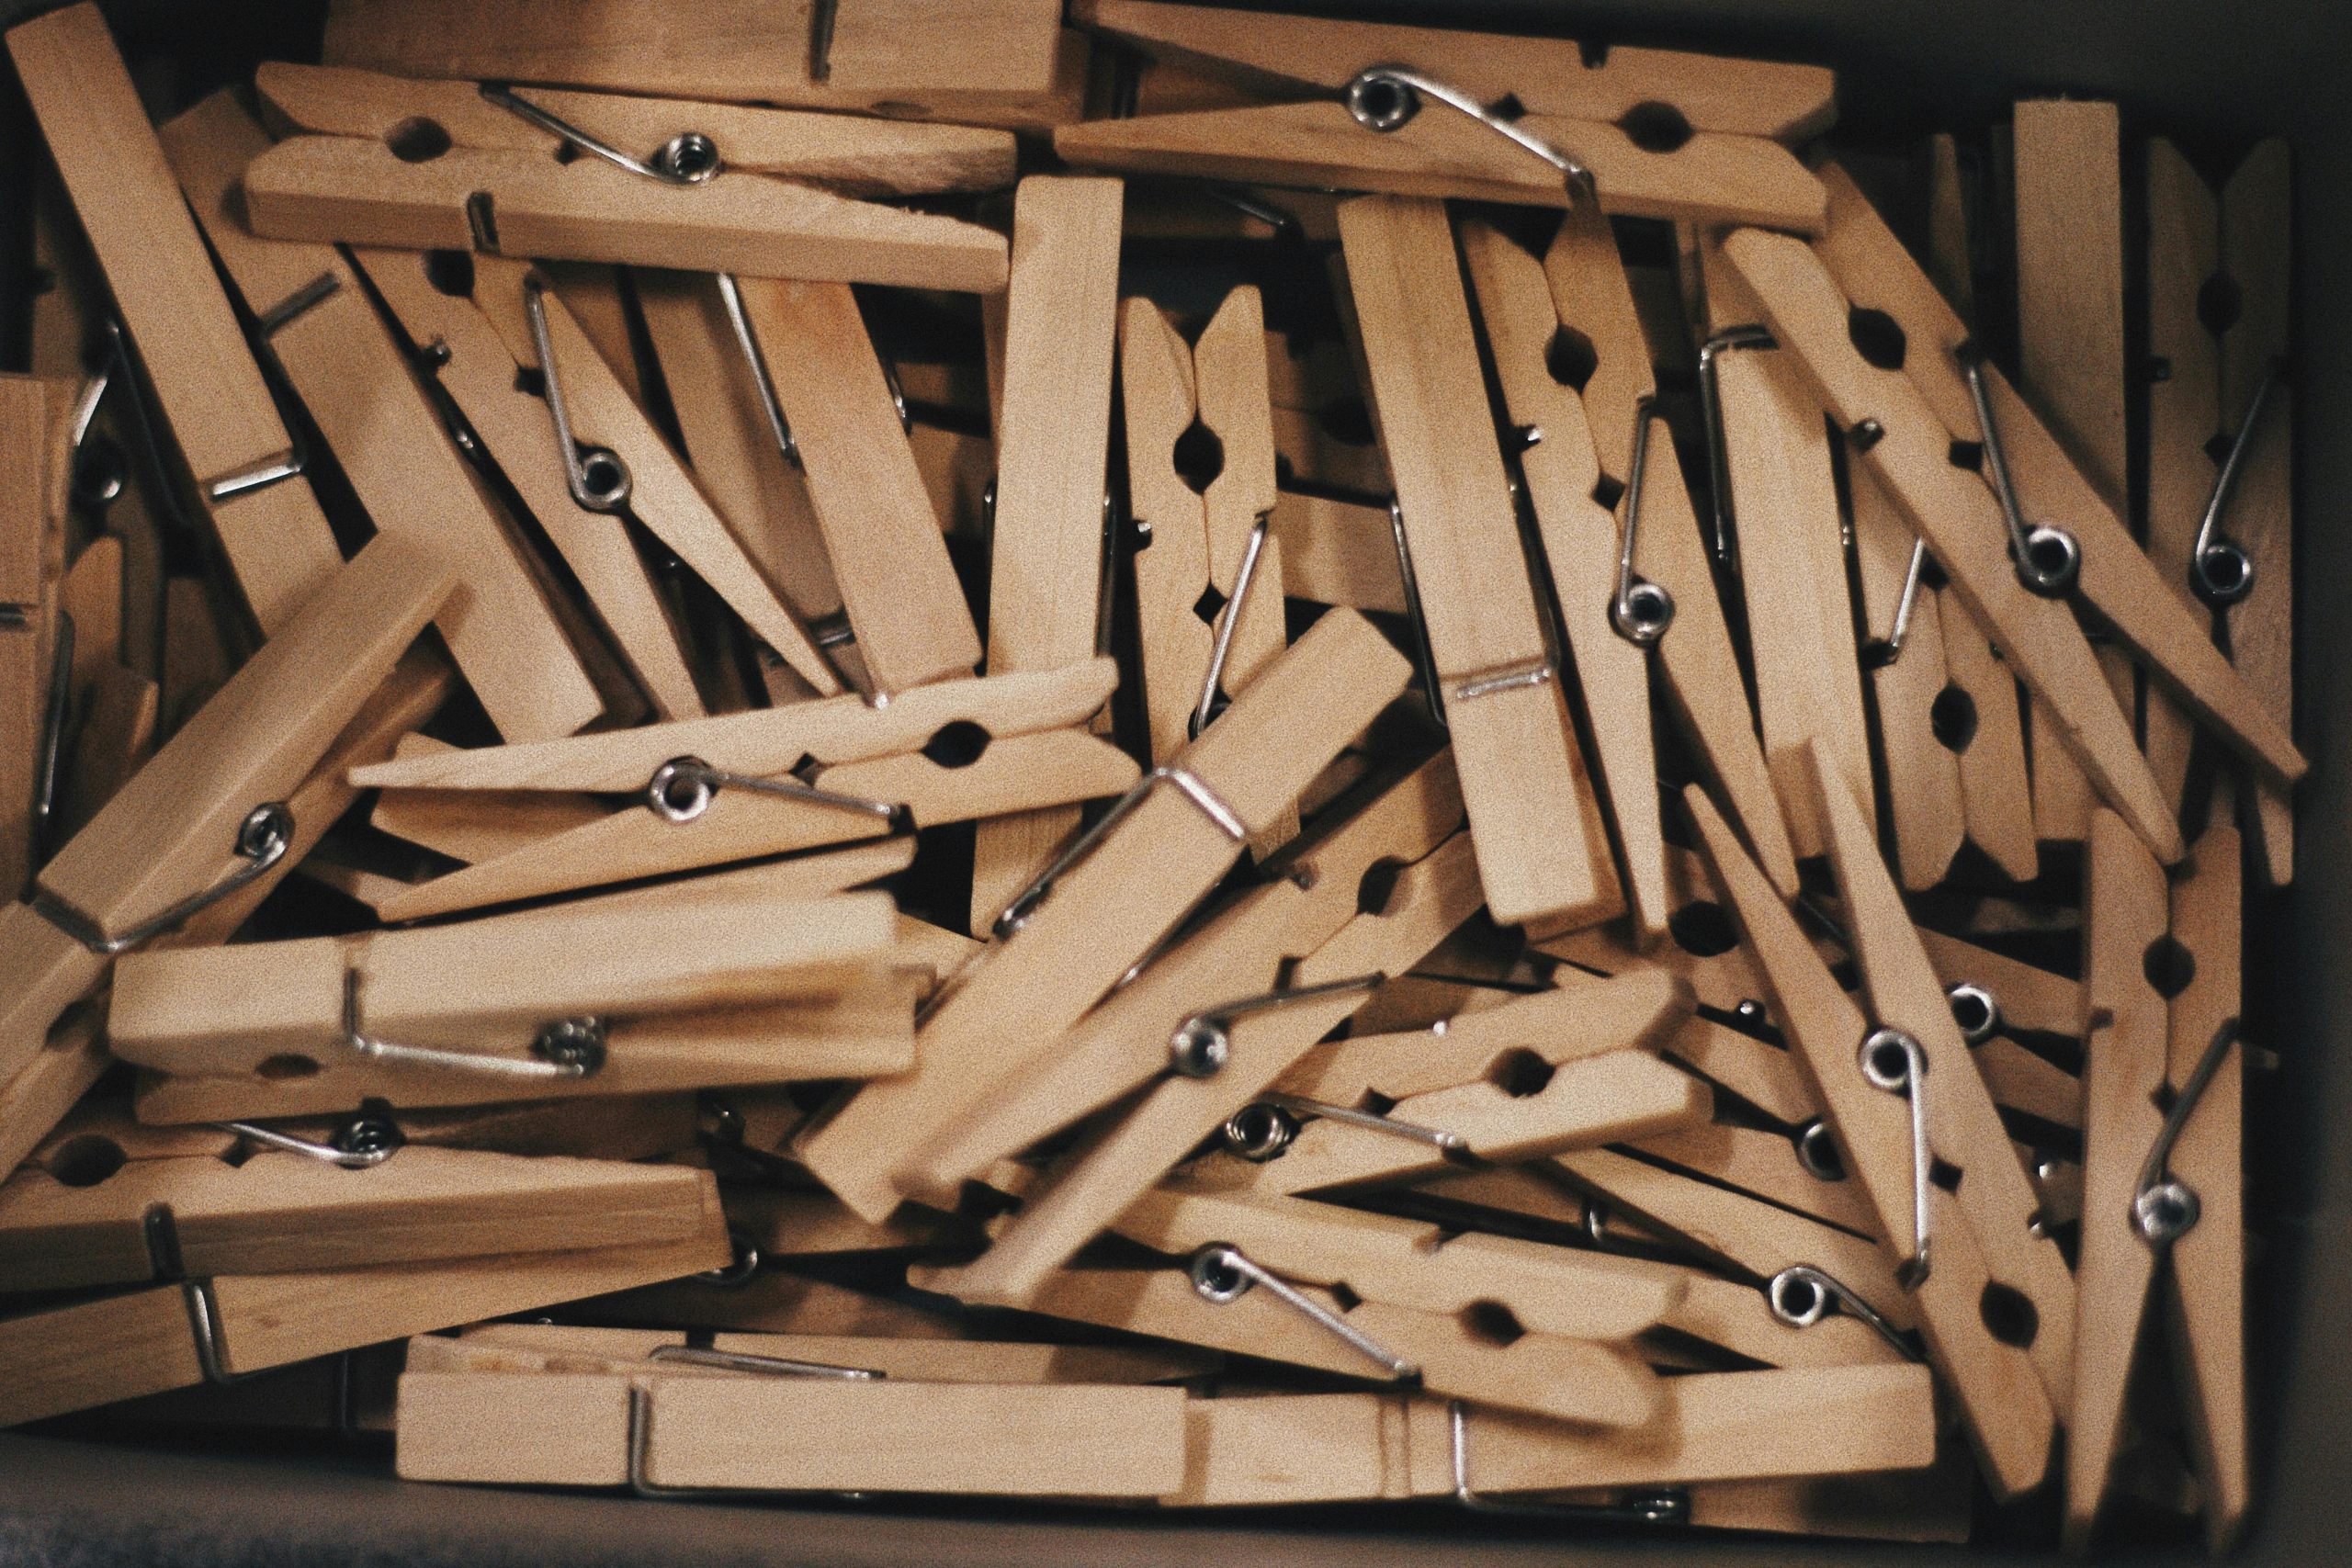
point(31, 534)
point(1997, 792)
point(1923, 787)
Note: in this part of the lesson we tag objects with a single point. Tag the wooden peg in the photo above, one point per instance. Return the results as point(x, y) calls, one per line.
point(204, 378)
point(1158, 393)
point(1580, 546)
point(1766, 1164)
point(1997, 792)
point(1531, 807)
point(1549, 76)
point(1923, 784)
point(1069, 940)
point(532, 1347)
point(1707, 695)
point(31, 549)
point(1337, 551)
point(321, 329)
point(1017, 67)
point(2009, 1412)
point(1053, 442)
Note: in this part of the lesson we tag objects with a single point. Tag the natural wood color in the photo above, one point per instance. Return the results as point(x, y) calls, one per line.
point(1052, 432)
point(31, 534)
point(194, 357)
point(1996, 794)
point(1711, 178)
point(2007, 1409)
point(2028, 998)
point(1753, 97)
point(1580, 546)
point(1761, 1074)
point(1235, 406)
point(1337, 552)
point(467, 825)
point(384, 434)
point(887, 557)
point(1158, 393)
point(1707, 695)
point(1533, 814)
point(35, 1099)
point(1726, 981)
point(1326, 447)
point(2021, 1080)
point(1008, 63)
point(530, 1347)
point(1762, 1164)
point(1111, 908)
point(1923, 784)
point(1955, 512)
point(1948, 258)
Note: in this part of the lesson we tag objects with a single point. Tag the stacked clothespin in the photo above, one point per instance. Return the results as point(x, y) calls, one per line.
point(1176, 755)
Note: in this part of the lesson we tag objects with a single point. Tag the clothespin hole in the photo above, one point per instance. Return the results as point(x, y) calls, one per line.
point(1944, 1173)
point(1654, 126)
point(565, 153)
point(418, 140)
point(1968, 454)
point(958, 744)
point(2169, 967)
point(1519, 1072)
point(286, 1067)
point(1951, 717)
point(1209, 605)
point(2220, 303)
point(1702, 928)
point(86, 1160)
point(1607, 491)
point(1571, 358)
point(530, 380)
point(1493, 1324)
point(452, 273)
point(2008, 1314)
point(1378, 885)
point(1198, 456)
point(1877, 337)
point(1507, 107)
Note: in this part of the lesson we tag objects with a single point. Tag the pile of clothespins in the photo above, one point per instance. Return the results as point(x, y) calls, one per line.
point(1170, 755)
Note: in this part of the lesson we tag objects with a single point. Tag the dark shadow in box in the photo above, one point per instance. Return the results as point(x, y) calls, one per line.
point(2210, 74)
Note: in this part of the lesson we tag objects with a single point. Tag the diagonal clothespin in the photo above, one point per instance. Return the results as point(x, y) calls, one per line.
point(1542, 851)
point(1108, 900)
point(110, 713)
point(2161, 1169)
point(1050, 535)
point(320, 329)
point(710, 790)
point(1863, 1076)
point(211, 798)
point(206, 383)
point(535, 1347)
point(217, 1329)
point(423, 165)
point(1018, 68)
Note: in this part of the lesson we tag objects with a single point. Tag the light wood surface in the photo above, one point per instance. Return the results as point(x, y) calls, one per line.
point(1923, 786)
point(31, 533)
point(1997, 792)
point(1158, 395)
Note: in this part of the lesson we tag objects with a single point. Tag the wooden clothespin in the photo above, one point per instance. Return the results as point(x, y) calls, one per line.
point(252, 1201)
point(216, 1329)
point(1542, 851)
point(2161, 1169)
point(1337, 551)
point(247, 479)
point(37, 651)
point(578, 1000)
point(320, 329)
point(1929, 1236)
point(112, 712)
point(715, 790)
point(1108, 900)
point(212, 797)
point(1051, 534)
point(532, 1347)
point(1671, 152)
point(1200, 995)
point(1018, 67)
point(419, 166)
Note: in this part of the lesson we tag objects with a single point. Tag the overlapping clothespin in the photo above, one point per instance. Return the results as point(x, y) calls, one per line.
point(108, 713)
point(708, 188)
point(37, 649)
point(2162, 1172)
point(207, 816)
point(712, 791)
point(1646, 133)
point(578, 999)
point(1942, 1244)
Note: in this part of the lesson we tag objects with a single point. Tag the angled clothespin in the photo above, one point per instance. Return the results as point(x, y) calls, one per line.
point(1666, 595)
point(420, 165)
point(291, 1205)
point(220, 1328)
point(1541, 851)
point(1050, 536)
point(1018, 67)
point(1577, 140)
point(1562, 474)
point(212, 798)
point(578, 999)
point(2162, 1172)
point(111, 713)
point(534, 1346)
point(714, 790)
point(209, 388)
point(1108, 900)
point(1863, 1076)
point(319, 327)
point(37, 649)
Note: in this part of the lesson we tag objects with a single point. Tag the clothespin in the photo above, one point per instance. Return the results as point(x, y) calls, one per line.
point(414, 165)
point(108, 713)
point(295, 1204)
point(248, 481)
point(1542, 851)
point(36, 646)
point(1051, 528)
point(714, 790)
point(1020, 68)
point(1671, 154)
point(154, 856)
point(1196, 1007)
point(1108, 900)
point(575, 1000)
point(320, 328)
point(217, 1329)
point(2161, 1169)
point(1337, 551)
point(1934, 1241)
